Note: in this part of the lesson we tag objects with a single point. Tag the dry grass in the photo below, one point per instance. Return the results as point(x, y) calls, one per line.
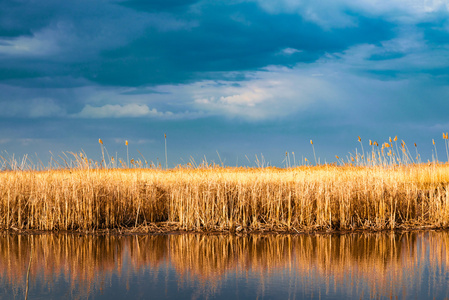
point(228, 199)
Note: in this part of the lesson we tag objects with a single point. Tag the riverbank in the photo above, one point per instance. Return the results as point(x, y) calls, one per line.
point(324, 198)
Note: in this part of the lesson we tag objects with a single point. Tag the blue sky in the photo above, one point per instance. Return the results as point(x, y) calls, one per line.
point(243, 78)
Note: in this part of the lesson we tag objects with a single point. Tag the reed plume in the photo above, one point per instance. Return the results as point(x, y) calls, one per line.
point(166, 159)
point(314, 155)
point(102, 152)
point(224, 199)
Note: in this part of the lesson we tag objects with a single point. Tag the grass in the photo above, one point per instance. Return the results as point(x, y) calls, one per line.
point(383, 189)
point(227, 199)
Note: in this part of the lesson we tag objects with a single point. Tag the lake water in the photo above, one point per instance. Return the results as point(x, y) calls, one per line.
point(410, 265)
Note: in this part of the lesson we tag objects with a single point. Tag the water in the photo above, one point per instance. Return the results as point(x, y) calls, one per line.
point(411, 265)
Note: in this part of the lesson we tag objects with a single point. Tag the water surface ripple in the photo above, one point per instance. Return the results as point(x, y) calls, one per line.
point(408, 265)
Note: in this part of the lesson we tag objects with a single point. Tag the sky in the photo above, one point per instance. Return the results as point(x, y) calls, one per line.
point(224, 80)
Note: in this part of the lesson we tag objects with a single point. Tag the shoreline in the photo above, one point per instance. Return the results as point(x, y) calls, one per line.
point(155, 230)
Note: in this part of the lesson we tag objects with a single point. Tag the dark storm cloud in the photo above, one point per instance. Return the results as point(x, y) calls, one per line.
point(227, 38)
point(157, 5)
point(110, 45)
point(55, 38)
point(19, 18)
point(218, 72)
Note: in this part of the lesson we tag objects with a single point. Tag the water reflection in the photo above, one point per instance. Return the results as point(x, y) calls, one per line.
point(190, 266)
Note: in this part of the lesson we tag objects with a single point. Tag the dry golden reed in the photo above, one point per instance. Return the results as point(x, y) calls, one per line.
point(297, 199)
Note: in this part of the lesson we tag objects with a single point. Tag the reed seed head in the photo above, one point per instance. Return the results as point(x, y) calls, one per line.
point(389, 139)
point(395, 138)
point(433, 141)
point(311, 142)
point(370, 143)
point(360, 139)
point(126, 142)
point(100, 141)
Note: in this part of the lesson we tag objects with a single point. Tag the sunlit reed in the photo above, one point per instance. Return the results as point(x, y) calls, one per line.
point(227, 199)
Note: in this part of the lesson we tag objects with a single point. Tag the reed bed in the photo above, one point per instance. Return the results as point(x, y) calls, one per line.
point(324, 197)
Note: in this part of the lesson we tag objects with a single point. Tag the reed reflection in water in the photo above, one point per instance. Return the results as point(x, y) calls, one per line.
point(193, 266)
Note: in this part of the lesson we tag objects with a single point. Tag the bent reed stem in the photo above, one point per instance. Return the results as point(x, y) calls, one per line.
point(323, 197)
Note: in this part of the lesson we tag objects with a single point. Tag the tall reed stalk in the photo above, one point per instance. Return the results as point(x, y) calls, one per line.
point(445, 138)
point(381, 191)
point(314, 155)
point(323, 197)
point(166, 159)
point(103, 162)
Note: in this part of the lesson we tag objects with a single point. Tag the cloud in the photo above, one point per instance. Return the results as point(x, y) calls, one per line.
point(220, 43)
point(344, 13)
point(37, 107)
point(270, 94)
point(120, 111)
point(225, 72)
point(172, 42)
point(157, 5)
point(289, 51)
point(41, 44)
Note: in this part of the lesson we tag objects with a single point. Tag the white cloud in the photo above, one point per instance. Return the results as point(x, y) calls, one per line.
point(33, 108)
point(333, 14)
point(273, 93)
point(40, 44)
point(243, 99)
point(120, 111)
point(408, 52)
point(289, 51)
